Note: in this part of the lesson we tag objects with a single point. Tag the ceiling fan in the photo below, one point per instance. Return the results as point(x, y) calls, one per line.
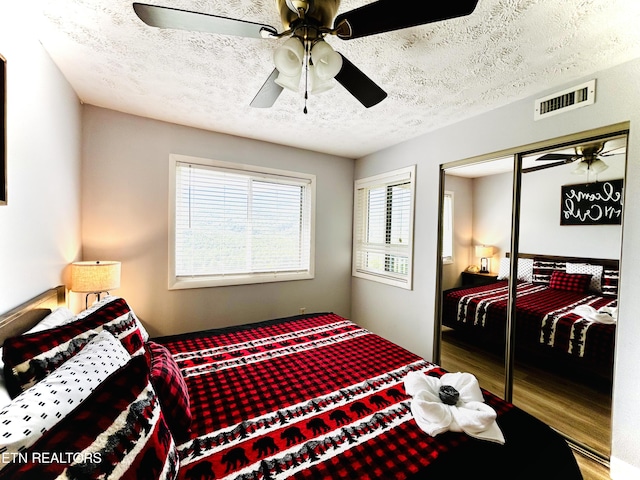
point(589, 157)
point(306, 23)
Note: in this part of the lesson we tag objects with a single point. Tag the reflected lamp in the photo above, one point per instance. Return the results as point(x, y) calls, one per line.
point(484, 253)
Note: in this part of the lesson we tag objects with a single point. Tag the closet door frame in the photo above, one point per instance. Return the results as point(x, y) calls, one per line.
point(518, 154)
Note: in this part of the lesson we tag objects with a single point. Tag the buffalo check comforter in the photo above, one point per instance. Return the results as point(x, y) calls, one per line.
point(545, 320)
point(318, 397)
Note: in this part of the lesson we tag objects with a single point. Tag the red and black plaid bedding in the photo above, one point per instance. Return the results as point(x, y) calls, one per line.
point(318, 397)
point(544, 318)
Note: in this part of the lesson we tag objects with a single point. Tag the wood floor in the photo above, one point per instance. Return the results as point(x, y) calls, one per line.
point(582, 412)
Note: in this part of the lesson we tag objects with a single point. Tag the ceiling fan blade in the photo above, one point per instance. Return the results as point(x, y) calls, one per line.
point(609, 153)
point(359, 85)
point(268, 93)
point(564, 157)
point(387, 15)
point(165, 17)
point(542, 167)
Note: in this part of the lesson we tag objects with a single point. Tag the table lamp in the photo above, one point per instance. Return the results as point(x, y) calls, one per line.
point(485, 253)
point(94, 277)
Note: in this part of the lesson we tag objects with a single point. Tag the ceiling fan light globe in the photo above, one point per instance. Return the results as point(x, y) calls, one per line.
point(582, 168)
point(289, 56)
point(290, 82)
point(318, 84)
point(598, 166)
point(326, 61)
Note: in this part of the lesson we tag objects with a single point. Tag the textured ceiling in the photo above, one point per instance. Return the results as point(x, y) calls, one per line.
point(435, 74)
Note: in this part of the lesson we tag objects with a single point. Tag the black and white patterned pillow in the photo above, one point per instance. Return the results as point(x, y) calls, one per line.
point(594, 270)
point(610, 279)
point(59, 316)
point(40, 407)
point(30, 357)
point(525, 269)
point(105, 302)
point(543, 269)
point(117, 432)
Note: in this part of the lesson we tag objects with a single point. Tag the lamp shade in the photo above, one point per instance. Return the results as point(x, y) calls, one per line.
point(483, 251)
point(95, 276)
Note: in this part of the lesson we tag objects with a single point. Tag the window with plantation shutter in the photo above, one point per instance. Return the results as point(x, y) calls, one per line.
point(238, 224)
point(383, 227)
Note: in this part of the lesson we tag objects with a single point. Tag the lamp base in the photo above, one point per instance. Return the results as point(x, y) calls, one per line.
point(484, 265)
point(97, 295)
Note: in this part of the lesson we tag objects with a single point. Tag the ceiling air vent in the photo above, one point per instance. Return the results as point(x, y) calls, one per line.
point(569, 99)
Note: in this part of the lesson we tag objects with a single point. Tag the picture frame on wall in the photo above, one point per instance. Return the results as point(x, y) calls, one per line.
point(3, 130)
point(595, 203)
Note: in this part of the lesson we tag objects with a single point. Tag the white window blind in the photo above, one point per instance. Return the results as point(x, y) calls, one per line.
point(240, 224)
point(383, 227)
point(447, 227)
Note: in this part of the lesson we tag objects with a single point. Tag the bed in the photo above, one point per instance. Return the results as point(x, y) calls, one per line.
point(566, 312)
point(309, 396)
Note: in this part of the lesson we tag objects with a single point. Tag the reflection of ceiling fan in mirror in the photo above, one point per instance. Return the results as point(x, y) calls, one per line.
point(589, 157)
point(306, 23)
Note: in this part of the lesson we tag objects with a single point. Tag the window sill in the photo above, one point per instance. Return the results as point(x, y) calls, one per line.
point(182, 283)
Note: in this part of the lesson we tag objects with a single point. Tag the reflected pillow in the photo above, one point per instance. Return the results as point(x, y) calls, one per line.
point(594, 270)
point(543, 269)
point(572, 282)
point(610, 282)
point(525, 269)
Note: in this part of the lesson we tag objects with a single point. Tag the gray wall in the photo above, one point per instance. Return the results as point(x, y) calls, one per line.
point(540, 229)
point(407, 317)
point(125, 184)
point(463, 214)
point(40, 226)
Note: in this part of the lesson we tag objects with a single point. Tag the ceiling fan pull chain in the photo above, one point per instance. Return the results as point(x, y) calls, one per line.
point(306, 76)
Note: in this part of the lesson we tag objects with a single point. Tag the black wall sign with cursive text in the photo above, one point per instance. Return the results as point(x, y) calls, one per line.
point(597, 203)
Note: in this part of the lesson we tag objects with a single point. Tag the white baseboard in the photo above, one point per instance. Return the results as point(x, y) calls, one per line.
point(621, 470)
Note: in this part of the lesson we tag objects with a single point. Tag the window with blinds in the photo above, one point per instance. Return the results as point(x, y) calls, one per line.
point(237, 224)
point(383, 227)
point(447, 227)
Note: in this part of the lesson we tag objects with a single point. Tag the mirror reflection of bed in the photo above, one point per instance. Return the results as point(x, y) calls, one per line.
point(562, 366)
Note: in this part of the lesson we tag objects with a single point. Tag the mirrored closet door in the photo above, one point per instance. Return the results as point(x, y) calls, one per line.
point(476, 225)
point(540, 329)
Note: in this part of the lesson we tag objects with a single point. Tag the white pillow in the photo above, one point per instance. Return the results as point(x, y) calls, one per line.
point(595, 271)
point(59, 316)
point(4, 393)
point(525, 269)
point(505, 267)
point(40, 407)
